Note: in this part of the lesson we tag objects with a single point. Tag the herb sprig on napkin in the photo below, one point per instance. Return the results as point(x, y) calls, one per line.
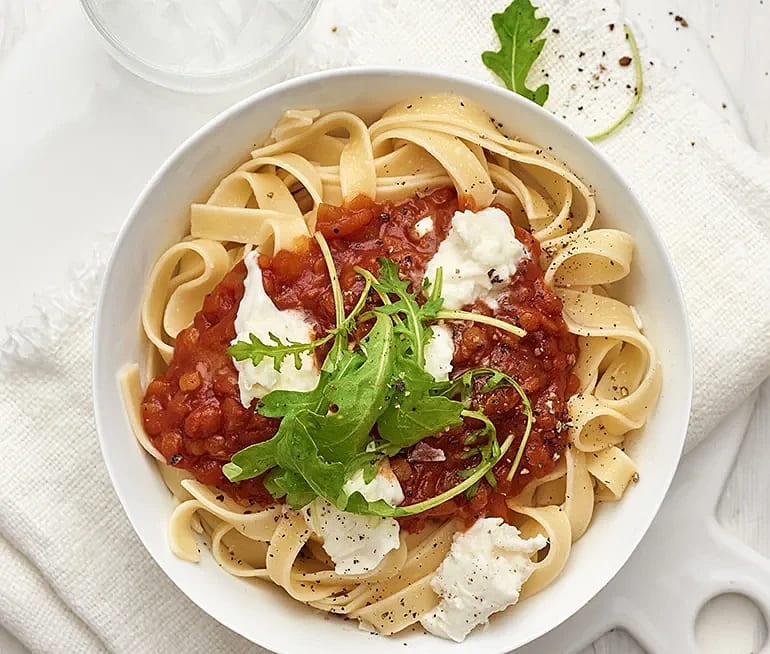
point(521, 43)
point(518, 30)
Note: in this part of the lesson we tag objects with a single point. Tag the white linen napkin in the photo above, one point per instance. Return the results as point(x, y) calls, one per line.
point(73, 576)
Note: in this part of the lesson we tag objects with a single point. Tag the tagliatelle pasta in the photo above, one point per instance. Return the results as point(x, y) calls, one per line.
point(271, 204)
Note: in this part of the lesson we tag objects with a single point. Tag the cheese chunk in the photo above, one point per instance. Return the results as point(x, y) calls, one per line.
point(482, 574)
point(358, 543)
point(259, 316)
point(424, 226)
point(384, 486)
point(477, 257)
point(439, 352)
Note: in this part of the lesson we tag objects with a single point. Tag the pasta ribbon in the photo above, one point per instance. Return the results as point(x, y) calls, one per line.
point(182, 277)
point(553, 523)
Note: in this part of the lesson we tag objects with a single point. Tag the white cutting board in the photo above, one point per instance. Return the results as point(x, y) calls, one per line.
point(62, 99)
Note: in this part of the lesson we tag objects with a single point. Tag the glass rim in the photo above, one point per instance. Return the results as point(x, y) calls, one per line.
point(240, 70)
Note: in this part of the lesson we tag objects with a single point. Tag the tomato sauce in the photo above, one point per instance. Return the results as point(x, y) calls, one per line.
point(193, 414)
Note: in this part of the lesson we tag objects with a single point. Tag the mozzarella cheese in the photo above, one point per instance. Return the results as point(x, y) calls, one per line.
point(477, 257)
point(424, 226)
point(482, 574)
point(259, 316)
point(358, 543)
point(439, 352)
point(384, 486)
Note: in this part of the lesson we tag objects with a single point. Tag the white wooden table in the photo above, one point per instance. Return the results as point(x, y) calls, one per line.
point(723, 53)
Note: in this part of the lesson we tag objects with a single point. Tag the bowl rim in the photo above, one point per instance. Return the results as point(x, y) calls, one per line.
point(234, 74)
point(675, 452)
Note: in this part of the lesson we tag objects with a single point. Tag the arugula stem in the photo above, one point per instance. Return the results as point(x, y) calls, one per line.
point(478, 475)
point(339, 306)
point(438, 284)
point(416, 325)
point(414, 509)
point(361, 301)
point(527, 430)
point(595, 138)
point(446, 314)
point(371, 280)
point(482, 470)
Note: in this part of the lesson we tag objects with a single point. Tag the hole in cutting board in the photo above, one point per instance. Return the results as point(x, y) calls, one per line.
point(614, 641)
point(730, 624)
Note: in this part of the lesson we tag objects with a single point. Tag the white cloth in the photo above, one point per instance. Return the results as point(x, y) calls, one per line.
point(73, 576)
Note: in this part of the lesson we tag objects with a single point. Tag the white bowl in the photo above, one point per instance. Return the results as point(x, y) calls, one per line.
point(260, 612)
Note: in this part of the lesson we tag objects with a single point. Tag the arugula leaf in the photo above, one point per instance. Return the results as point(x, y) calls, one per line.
point(291, 485)
point(368, 462)
point(298, 452)
point(257, 459)
point(359, 396)
point(383, 448)
point(357, 503)
point(418, 418)
point(280, 403)
point(256, 350)
point(329, 425)
point(253, 460)
point(471, 492)
point(319, 447)
point(518, 29)
point(415, 331)
point(413, 412)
